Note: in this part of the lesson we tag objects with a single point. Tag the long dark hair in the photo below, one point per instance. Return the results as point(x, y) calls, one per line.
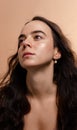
point(13, 101)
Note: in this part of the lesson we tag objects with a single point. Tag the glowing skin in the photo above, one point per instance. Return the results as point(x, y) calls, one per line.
point(36, 38)
point(36, 52)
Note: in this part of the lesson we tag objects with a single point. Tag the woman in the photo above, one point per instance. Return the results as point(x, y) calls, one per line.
point(39, 91)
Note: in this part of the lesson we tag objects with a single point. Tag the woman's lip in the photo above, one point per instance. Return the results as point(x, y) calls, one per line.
point(28, 53)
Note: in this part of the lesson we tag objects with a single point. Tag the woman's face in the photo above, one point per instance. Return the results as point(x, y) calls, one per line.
point(36, 46)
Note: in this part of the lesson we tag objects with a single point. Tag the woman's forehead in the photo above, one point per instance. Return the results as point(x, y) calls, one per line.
point(36, 25)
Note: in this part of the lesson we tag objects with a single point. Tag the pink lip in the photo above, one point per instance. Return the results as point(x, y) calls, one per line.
point(27, 54)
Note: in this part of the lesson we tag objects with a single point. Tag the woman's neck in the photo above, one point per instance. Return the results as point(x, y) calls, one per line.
point(40, 82)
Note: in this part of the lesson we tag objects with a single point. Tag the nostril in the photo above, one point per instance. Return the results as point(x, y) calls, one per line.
point(26, 44)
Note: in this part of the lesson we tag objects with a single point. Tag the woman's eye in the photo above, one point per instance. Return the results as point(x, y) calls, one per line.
point(20, 41)
point(37, 37)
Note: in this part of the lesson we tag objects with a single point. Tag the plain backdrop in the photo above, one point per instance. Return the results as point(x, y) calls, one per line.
point(14, 13)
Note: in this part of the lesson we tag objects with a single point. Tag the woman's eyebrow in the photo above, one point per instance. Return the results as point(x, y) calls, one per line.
point(38, 31)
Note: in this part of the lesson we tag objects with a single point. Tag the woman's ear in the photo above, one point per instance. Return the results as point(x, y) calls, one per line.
point(57, 54)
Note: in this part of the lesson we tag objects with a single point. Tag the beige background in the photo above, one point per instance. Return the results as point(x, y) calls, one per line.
point(14, 13)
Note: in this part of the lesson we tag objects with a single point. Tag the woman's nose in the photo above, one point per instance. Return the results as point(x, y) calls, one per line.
point(27, 42)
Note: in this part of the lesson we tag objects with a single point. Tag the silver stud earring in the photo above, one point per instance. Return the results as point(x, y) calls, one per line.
point(55, 61)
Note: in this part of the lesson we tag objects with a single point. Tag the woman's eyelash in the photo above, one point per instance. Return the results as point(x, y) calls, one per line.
point(38, 37)
point(21, 40)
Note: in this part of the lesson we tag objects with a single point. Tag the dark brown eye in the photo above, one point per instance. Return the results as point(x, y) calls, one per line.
point(37, 37)
point(20, 41)
point(21, 38)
